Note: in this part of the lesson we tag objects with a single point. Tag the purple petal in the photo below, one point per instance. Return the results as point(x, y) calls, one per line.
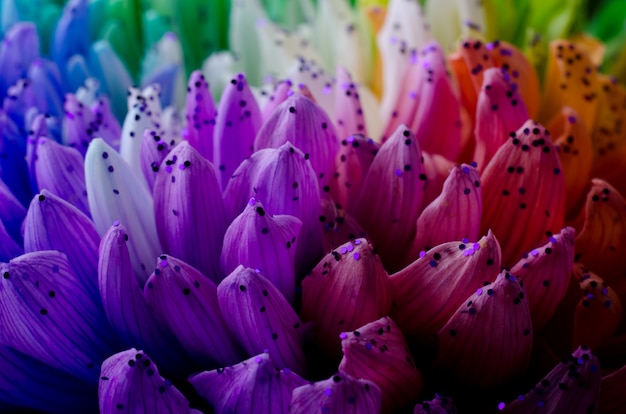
point(70, 37)
point(79, 124)
point(348, 111)
point(21, 98)
point(38, 129)
point(18, 49)
point(166, 76)
point(260, 241)
point(153, 152)
point(108, 127)
point(126, 309)
point(252, 386)
point(339, 226)
point(237, 123)
point(200, 113)
point(190, 215)
point(171, 126)
point(130, 383)
point(186, 301)
point(305, 125)
point(281, 91)
point(137, 121)
point(438, 405)
point(46, 80)
point(47, 314)
point(339, 394)
point(115, 193)
point(8, 247)
point(261, 318)
point(54, 224)
point(296, 193)
point(12, 213)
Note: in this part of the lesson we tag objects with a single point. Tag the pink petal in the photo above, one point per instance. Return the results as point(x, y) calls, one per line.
point(153, 152)
point(281, 91)
point(339, 226)
point(348, 112)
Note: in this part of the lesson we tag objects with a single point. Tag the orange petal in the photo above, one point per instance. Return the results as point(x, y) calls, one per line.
point(601, 245)
point(379, 353)
point(376, 17)
point(612, 395)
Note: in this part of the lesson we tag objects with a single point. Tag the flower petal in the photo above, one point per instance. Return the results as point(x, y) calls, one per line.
point(546, 272)
point(13, 167)
point(281, 91)
point(392, 369)
point(237, 123)
point(523, 184)
point(79, 124)
point(138, 119)
point(153, 151)
point(8, 247)
point(46, 80)
point(260, 241)
point(391, 195)
point(438, 405)
point(348, 113)
point(572, 386)
point(48, 314)
point(130, 382)
point(261, 318)
point(478, 356)
point(346, 290)
point(339, 226)
point(190, 216)
point(115, 193)
point(201, 115)
point(252, 386)
point(108, 127)
point(12, 213)
point(428, 292)
point(20, 46)
point(69, 37)
point(341, 393)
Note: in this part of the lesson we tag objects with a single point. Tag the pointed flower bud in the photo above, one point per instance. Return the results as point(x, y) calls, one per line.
point(305, 125)
point(475, 354)
point(279, 95)
point(378, 352)
point(47, 314)
point(130, 381)
point(341, 393)
point(250, 387)
point(190, 216)
point(454, 215)
point(500, 111)
point(546, 272)
point(348, 112)
point(346, 290)
point(391, 195)
point(428, 292)
point(523, 184)
point(200, 114)
point(137, 121)
point(186, 301)
point(153, 152)
point(261, 318)
point(571, 386)
point(237, 123)
point(258, 240)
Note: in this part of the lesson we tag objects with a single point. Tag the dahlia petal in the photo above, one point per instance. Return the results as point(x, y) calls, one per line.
point(318, 82)
point(428, 292)
point(261, 318)
point(20, 46)
point(201, 115)
point(391, 195)
point(438, 405)
point(252, 386)
point(454, 215)
point(437, 168)
point(115, 193)
point(573, 386)
point(78, 125)
point(48, 314)
point(392, 369)
point(186, 301)
point(190, 216)
point(296, 193)
point(137, 121)
point(612, 398)
point(305, 125)
point(523, 184)
point(346, 290)
point(108, 127)
point(46, 80)
point(339, 394)
point(237, 123)
point(59, 169)
point(130, 382)
point(478, 356)
point(600, 243)
point(282, 90)
point(571, 80)
point(339, 226)
point(349, 114)
point(12, 213)
point(69, 37)
point(153, 151)
point(500, 110)
point(54, 224)
point(8, 247)
point(260, 241)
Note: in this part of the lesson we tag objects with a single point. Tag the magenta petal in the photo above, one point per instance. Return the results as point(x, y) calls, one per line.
point(12, 213)
point(46, 313)
point(391, 196)
point(59, 169)
point(500, 111)
point(190, 216)
point(282, 90)
point(261, 318)
point(8, 247)
point(454, 215)
point(305, 125)
point(54, 224)
point(237, 123)
point(268, 243)
point(200, 113)
point(285, 181)
point(186, 301)
point(130, 382)
point(254, 386)
point(153, 152)
point(126, 309)
point(348, 111)
point(339, 394)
